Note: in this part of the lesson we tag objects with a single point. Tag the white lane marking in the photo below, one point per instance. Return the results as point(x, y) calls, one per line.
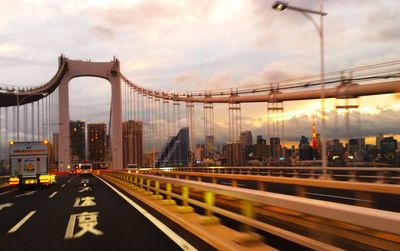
point(52, 195)
point(84, 202)
point(26, 194)
point(5, 205)
point(63, 185)
point(166, 230)
point(19, 224)
point(338, 197)
point(9, 191)
point(86, 221)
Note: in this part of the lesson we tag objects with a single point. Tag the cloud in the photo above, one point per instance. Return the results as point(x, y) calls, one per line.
point(103, 32)
point(189, 77)
point(142, 14)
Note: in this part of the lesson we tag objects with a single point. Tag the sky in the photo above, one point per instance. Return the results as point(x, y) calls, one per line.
point(201, 45)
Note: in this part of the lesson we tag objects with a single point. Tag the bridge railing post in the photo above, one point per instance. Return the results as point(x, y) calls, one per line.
point(208, 218)
point(185, 208)
point(141, 189)
point(168, 200)
point(247, 236)
point(148, 188)
point(157, 195)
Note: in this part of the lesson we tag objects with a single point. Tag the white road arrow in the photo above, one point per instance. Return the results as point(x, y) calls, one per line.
point(85, 189)
point(5, 205)
point(26, 194)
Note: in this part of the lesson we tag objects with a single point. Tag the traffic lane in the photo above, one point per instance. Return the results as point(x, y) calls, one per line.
point(15, 205)
point(39, 230)
point(195, 241)
point(121, 226)
point(6, 190)
point(15, 194)
point(89, 217)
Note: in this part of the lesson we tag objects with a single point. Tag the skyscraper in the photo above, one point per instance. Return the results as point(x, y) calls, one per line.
point(235, 154)
point(262, 151)
point(209, 146)
point(378, 139)
point(388, 150)
point(132, 140)
point(356, 148)
point(276, 149)
point(176, 151)
point(97, 142)
point(246, 138)
point(305, 150)
point(77, 133)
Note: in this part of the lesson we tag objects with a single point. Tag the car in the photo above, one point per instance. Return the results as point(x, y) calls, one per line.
point(85, 169)
point(132, 168)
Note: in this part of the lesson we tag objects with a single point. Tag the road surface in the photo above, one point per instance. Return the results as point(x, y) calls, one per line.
point(85, 213)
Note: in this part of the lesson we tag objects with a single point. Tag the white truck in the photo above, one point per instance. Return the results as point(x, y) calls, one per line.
point(29, 164)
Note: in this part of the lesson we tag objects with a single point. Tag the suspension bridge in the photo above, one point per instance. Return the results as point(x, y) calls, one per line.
point(241, 207)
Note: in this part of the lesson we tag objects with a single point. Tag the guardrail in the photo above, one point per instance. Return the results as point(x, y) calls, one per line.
point(358, 193)
point(366, 220)
point(360, 174)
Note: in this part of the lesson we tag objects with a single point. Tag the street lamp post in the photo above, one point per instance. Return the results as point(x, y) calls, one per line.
point(22, 100)
point(280, 6)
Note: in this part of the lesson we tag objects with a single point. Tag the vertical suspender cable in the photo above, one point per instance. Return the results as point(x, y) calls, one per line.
point(37, 137)
point(7, 136)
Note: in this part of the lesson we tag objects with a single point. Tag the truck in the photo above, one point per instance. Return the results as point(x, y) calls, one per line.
point(29, 164)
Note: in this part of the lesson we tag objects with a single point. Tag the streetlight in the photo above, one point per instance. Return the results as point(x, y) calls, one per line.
point(280, 6)
point(22, 100)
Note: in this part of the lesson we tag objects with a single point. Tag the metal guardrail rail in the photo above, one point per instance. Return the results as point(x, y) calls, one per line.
point(365, 219)
point(359, 174)
point(357, 193)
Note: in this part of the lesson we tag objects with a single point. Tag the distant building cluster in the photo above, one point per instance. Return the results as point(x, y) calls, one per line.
point(355, 152)
point(90, 142)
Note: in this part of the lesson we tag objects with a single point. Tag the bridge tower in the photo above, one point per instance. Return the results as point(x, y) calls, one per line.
point(106, 70)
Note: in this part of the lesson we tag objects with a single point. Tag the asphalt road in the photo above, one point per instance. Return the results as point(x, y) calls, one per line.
point(84, 213)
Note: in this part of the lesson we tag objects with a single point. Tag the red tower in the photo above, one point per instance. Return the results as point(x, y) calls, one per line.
point(314, 137)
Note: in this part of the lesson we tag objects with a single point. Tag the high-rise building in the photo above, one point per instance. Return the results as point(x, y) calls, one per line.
point(132, 142)
point(378, 139)
point(262, 151)
point(389, 150)
point(77, 134)
point(97, 142)
point(276, 149)
point(356, 148)
point(209, 146)
point(246, 138)
point(261, 140)
point(305, 150)
point(199, 153)
point(176, 151)
point(235, 154)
